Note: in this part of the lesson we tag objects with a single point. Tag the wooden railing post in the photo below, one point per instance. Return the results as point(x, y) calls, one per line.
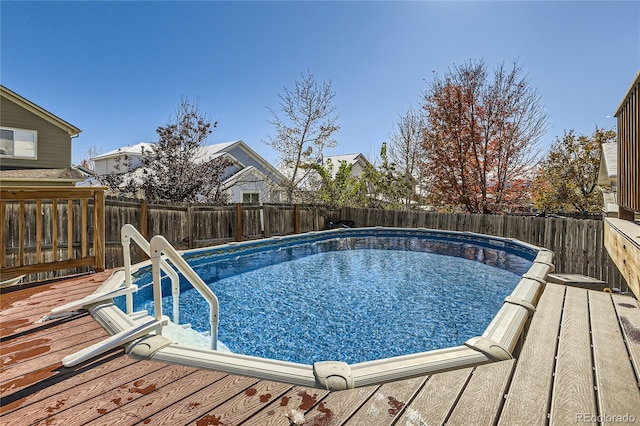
point(3, 235)
point(99, 230)
point(239, 222)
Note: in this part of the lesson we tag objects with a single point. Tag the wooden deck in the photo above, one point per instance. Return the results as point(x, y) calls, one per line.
point(579, 364)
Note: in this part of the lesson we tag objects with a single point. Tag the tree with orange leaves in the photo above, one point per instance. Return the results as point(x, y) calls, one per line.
point(481, 130)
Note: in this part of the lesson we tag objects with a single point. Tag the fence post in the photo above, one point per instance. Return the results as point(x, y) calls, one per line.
point(99, 230)
point(296, 219)
point(265, 221)
point(144, 225)
point(190, 226)
point(3, 237)
point(238, 222)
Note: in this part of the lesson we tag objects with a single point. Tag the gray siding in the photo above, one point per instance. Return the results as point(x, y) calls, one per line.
point(246, 159)
point(53, 145)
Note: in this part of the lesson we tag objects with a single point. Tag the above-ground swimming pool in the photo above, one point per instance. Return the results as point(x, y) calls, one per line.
point(332, 309)
point(353, 298)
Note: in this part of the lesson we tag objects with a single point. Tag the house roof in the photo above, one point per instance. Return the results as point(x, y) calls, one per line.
point(349, 158)
point(336, 160)
point(130, 150)
point(226, 147)
point(39, 111)
point(44, 176)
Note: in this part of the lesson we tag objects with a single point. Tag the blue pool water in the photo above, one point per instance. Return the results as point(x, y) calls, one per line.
point(349, 299)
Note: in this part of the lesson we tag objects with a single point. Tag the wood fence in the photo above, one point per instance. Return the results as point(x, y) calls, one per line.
point(51, 231)
point(578, 244)
point(192, 226)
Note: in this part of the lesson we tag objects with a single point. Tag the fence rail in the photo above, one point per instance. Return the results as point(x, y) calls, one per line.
point(51, 229)
point(578, 244)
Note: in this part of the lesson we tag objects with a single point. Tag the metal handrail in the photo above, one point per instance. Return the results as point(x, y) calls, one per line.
point(159, 246)
point(127, 233)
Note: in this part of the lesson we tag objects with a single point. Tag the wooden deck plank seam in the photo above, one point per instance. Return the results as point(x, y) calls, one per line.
point(503, 400)
point(276, 403)
point(360, 405)
point(555, 358)
point(453, 406)
point(131, 408)
point(43, 327)
point(275, 400)
point(593, 357)
point(51, 381)
point(626, 341)
point(415, 393)
point(229, 397)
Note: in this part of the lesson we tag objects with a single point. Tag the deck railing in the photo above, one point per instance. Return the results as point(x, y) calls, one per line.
point(628, 115)
point(45, 229)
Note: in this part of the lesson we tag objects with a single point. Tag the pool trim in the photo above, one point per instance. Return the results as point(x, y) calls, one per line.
point(498, 342)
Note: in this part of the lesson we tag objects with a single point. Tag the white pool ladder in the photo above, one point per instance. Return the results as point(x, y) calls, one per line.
point(158, 247)
point(127, 233)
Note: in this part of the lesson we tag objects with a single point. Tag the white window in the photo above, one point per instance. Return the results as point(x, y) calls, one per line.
point(250, 198)
point(18, 143)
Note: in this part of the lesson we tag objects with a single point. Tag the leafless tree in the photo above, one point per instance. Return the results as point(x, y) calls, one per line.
point(87, 161)
point(406, 150)
point(304, 129)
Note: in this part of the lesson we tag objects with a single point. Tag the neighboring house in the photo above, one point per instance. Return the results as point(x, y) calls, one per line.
point(359, 162)
point(309, 180)
point(35, 145)
point(120, 160)
point(608, 177)
point(250, 180)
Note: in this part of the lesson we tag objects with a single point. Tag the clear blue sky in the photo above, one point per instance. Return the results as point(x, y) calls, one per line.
point(118, 70)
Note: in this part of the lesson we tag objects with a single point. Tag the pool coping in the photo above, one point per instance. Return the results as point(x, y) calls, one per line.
point(498, 342)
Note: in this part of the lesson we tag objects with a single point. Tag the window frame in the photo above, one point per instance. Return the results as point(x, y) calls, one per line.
point(251, 194)
point(35, 143)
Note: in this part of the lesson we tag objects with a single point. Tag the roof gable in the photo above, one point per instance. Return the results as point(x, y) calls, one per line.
point(128, 150)
point(39, 111)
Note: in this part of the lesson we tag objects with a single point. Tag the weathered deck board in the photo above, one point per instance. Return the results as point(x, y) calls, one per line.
point(297, 401)
point(483, 396)
point(436, 399)
point(68, 378)
point(616, 383)
point(387, 403)
point(55, 408)
point(14, 350)
point(42, 292)
point(629, 317)
point(121, 396)
point(51, 359)
point(529, 395)
point(184, 399)
point(201, 402)
point(337, 407)
point(245, 404)
point(573, 388)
